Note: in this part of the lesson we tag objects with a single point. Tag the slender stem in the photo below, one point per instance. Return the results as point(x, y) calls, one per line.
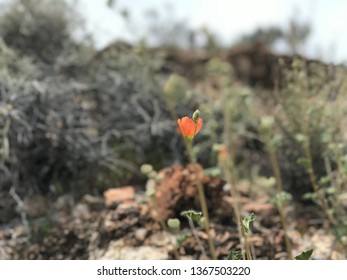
point(281, 209)
point(230, 172)
point(247, 245)
point(336, 182)
point(285, 229)
point(197, 238)
point(310, 170)
point(236, 205)
point(202, 199)
point(315, 186)
point(172, 111)
point(342, 182)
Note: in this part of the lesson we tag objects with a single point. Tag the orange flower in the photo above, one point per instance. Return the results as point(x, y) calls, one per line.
point(188, 128)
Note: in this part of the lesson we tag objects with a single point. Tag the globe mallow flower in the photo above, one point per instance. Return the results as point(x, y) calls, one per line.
point(189, 127)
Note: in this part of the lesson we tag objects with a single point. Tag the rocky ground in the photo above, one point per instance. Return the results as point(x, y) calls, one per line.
point(125, 223)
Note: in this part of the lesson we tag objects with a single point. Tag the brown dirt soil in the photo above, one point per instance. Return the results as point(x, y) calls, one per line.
point(131, 230)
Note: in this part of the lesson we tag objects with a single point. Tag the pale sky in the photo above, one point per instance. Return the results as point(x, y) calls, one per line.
point(229, 19)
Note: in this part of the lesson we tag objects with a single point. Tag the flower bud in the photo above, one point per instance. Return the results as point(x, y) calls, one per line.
point(267, 122)
point(146, 169)
point(174, 224)
point(196, 116)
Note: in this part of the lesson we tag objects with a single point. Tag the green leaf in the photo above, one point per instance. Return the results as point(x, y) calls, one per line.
point(310, 196)
point(213, 172)
point(324, 180)
point(192, 214)
point(300, 137)
point(235, 255)
point(248, 222)
point(276, 140)
point(326, 137)
point(183, 237)
point(304, 255)
point(330, 190)
point(282, 198)
point(304, 162)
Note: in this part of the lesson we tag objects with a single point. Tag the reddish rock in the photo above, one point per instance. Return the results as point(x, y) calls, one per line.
point(115, 196)
point(178, 191)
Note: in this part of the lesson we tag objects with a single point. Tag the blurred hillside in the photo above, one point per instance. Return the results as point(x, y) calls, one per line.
point(80, 118)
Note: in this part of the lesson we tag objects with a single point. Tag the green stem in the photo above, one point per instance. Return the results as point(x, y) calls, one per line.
point(236, 205)
point(281, 209)
point(342, 182)
point(315, 186)
point(202, 199)
point(247, 245)
point(311, 174)
point(230, 173)
point(197, 238)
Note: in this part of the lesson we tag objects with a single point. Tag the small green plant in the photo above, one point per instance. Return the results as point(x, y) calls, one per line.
point(193, 216)
point(233, 107)
point(153, 178)
point(246, 228)
point(235, 255)
point(281, 198)
point(228, 168)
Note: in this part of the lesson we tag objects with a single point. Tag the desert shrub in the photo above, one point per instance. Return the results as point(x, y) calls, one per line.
point(130, 90)
point(82, 124)
point(308, 113)
point(38, 28)
point(307, 136)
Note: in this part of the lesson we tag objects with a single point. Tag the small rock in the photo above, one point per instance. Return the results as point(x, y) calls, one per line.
point(117, 250)
point(244, 187)
point(127, 210)
point(93, 202)
point(65, 201)
point(117, 196)
point(335, 255)
point(144, 253)
point(161, 239)
point(19, 231)
point(186, 258)
point(80, 211)
point(140, 234)
point(36, 206)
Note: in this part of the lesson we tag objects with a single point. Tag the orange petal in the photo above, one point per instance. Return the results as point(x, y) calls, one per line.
point(181, 125)
point(188, 127)
point(198, 126)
